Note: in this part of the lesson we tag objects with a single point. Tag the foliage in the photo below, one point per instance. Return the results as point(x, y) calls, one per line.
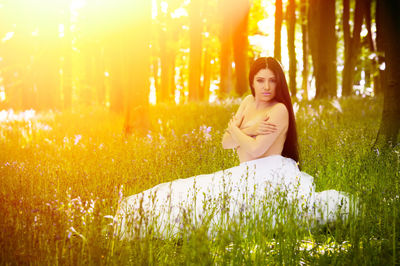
point(63, 174)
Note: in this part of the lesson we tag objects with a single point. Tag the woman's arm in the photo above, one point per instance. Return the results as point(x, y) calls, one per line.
point(227, 141)
point(259, 145)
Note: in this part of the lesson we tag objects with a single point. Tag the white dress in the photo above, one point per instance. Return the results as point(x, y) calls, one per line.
point(238, 194)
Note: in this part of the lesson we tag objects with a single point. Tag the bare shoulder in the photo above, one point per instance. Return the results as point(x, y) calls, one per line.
point(249, 98)
point(279, 111)
point(245, 102)
point(280, 108)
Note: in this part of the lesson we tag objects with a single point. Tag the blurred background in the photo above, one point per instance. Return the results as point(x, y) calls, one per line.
point(125, 55)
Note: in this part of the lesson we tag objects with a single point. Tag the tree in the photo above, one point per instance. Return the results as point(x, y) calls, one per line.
point(278, 28)
point(291, 19)
point(225, 36)
point(372, 48)
point(322, 37)
point(195, 49)
point(304, 14)
point(167, 36)
point(388, 27)
point(115, 66)
point(240, 45)
point(137, 68)
point(351, 43)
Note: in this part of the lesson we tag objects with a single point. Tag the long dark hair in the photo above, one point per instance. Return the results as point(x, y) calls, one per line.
point(291, 147)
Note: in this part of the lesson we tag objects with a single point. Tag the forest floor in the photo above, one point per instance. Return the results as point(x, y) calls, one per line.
point(62, 175)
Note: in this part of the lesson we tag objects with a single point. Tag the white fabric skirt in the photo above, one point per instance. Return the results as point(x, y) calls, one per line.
point(248, 191)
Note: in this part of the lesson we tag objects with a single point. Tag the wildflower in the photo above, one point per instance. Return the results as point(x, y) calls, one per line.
point(77, 139)
point(335, 103)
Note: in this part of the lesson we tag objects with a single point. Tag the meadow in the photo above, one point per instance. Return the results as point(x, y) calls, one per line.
point(62, 175)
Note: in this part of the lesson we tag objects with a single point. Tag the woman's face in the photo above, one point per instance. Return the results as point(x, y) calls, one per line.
point(264, 85)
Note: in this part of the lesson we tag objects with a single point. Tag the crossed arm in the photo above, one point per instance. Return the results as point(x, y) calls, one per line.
point(237, 137)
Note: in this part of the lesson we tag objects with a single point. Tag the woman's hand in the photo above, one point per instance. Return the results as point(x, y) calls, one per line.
point(262, 127)
point(235, 121)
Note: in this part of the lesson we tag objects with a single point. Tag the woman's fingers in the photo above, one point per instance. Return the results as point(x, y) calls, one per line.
point(267, 129)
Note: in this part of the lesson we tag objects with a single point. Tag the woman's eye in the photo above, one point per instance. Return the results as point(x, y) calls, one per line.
point(273, 80)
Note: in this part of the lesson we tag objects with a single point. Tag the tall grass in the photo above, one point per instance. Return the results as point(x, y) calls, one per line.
point(63, 174)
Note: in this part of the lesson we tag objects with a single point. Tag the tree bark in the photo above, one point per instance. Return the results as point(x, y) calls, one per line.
point(167, 58)
point(137, 69)
point(372, 48)
point(225, 36)
point(205, 89)
point(388, 27)
point(304, 12)
point(116, 76)
point(240, 47)
point(166, 91)
point(351, 44)
point(195, 50)
point(322, 39)
point(291, 19)
point(278, 28)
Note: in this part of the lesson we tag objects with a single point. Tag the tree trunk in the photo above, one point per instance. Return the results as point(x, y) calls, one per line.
point(322, 39)
point(304, 12)
point(116, 77)
point(240, 47)
point(225, 36)
point(291, 19)
point(137, 69)
point(205, 90)
point(374, 72)
point(100, 80)
point(351, 44)
point(167, 59)
point(195, 50)
point(278, 27)
point(388, 27)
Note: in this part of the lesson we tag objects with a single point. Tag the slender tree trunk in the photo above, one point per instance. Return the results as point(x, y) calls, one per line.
point(278, 28)
point(240, 47)
point(205, 91)
point(225, 36)
point(156, 77)
point(380, 46)
point(167, 58)
point(351, 44)
point(291, 19)
point(322, 36)
point(195, 50)
point(304, 12)
point(388, 27)
point(99, 79)
point(137, 71)
point(116, 77)
point(373, 48)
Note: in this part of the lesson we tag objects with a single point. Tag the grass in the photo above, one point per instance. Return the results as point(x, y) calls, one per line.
point(63, 174)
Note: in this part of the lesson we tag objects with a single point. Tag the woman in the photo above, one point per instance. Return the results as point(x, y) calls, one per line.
point(263, 131)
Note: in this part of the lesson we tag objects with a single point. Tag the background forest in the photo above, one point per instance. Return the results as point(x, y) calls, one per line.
point(125, 54)
point(101, 99)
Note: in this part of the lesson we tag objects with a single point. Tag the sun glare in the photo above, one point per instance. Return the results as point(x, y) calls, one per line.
point(8, 36)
